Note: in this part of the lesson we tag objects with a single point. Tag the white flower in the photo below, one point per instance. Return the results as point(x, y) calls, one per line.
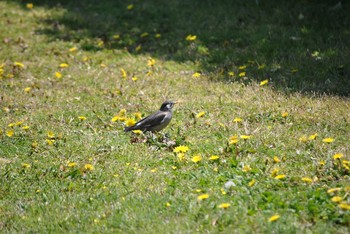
point(229, 184)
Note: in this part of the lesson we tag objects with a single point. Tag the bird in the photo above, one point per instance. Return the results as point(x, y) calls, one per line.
point(156, 121)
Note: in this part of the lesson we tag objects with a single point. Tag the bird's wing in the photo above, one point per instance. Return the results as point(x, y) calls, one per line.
point(152, 120)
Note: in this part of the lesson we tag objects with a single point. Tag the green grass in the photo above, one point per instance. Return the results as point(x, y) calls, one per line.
point(138, 184)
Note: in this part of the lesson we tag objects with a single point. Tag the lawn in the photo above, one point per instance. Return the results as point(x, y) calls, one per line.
point(259, 140)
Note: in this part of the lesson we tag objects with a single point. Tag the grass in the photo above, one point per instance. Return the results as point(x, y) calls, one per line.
point(62, 173)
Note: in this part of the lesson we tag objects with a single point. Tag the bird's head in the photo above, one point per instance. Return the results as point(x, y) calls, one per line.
point(167, 105)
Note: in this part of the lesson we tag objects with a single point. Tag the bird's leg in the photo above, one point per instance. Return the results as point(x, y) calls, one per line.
point(166, 137)
point(151, 136)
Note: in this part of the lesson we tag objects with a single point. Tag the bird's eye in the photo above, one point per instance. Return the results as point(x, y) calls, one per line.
point(168, 105)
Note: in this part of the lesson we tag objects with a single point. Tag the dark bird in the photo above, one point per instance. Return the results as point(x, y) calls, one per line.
point(156, 121)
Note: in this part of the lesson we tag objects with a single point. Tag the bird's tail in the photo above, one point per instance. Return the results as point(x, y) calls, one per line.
point(127, 129)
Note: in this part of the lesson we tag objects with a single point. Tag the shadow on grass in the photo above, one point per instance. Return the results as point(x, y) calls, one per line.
point(300, 46)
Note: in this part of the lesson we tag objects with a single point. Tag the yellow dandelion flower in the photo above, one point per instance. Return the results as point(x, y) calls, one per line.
point(336, 199)
point(138, 115)
point(200, 114)
point(191, 37)
point(25, 165)
point(72, 164)
point(50, 134)
point(242, 67)
point(328, 140)
point(224, 205)
point(245, 137)
point(117, 118)
point(122, 112)
point(116, 36)
point(10, 133)
point(167, 204)
point(322, 163)
point(198, 190)
point(274, 172)
point(138, 132)
point(81, 118)
point(264, 82)
point(73, 49)
point(284, 114)
point(130, 122)
point(63, 65)
point(19, 123)
point(89, 167)
point(236, 120)
point(280, 177)
point(25, 127)
point(233, 140)
point(312, 137)
point(18, 64)
point(246, 168)
point(35, 145)
point(29, 5)
point(303, 138)
point(154, 170)
point(332, 190)
point(149, 73)
point(134, 78)
point(241, 74)
point(221, 124)
point(174, 167)
point(58, 75)
point(85, 59)
point(338, 156)
point(151, 62)
point(274, 218)
point(130, 7)
point(145, 34)
point(50, 142)
point(123, 73)
point(196, 158)
point(262, 66)
point(213, 157)
point(27, 89)
point(252, 182)
point(196, 75)
point(203, 197)
point(223, 191)
point(138, 48)
point(158, 35)
point(11, 125)
point(181, 156)
point(344, 206)
point(276, 159)
point(231, 73)
point(100, 43)
point(307, 179)
point(181, 149)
